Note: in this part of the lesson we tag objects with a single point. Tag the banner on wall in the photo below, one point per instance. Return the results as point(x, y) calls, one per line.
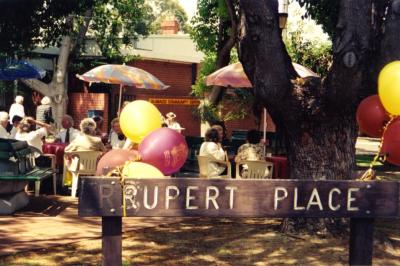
point(174, 101)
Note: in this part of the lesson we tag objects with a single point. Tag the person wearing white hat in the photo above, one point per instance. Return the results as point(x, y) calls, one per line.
point(3, 125)
point(171, 122)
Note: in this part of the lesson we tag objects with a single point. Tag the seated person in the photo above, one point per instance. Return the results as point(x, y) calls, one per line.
point(212, 148)
point(221, 132)
point(117, 138)
point(26, 132)
point(99, 124)
point(86, 141)
point(252, 150)
point(67, 133)
point(15, 123)
point(3, 125)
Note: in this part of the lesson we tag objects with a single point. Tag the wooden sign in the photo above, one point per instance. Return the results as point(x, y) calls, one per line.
point(174, 101)
point(238, 198)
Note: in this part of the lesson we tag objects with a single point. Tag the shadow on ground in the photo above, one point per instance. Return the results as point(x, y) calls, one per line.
point(205, 241)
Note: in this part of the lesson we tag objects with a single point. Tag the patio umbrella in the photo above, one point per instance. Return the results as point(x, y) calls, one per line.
point(124, 76)
point(234, 76)
point(13, 69)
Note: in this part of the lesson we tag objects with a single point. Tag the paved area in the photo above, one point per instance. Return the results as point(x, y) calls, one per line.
point(366, 145)
point(52, 221)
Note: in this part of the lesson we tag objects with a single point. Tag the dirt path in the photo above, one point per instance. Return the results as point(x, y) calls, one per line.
point(212, 242)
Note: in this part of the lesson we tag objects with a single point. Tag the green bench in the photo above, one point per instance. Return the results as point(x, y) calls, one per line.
point(17, 165)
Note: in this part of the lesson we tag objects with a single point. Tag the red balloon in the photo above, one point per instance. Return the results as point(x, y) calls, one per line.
point(372, 116)
point(114, 158)
point(391, 142)
point(165, 149)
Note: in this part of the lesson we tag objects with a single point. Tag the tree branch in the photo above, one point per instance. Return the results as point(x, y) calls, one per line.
point(390, 48)
point(37, 85)
point(81, 34)
point(352, 46)
point(261, 51)
point(223, 57)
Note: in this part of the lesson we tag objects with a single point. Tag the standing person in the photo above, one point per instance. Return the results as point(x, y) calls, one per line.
point(86, 141)
point(117, 139)
point(44, 112)
point(15, 123)
point(17, 108)
point(212, 148)
point(3, 125)
point(171, 122)
point(67, 133)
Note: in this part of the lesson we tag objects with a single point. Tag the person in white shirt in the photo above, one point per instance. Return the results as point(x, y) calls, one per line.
point(33, 137)
point(17, 108)
point(213, 149)
point(67, 134)
point(15, 122)
point(171, 122)
point(117, 138)
point(3, 125)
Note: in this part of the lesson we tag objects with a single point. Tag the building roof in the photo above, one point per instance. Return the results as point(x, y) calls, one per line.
point(174, 47)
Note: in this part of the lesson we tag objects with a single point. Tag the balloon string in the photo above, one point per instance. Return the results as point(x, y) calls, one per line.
point(369, 174)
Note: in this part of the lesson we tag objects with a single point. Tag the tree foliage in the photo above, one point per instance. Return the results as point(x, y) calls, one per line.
point(316, 56)
point(44, 22)
point(25, 24)
point(324, 12)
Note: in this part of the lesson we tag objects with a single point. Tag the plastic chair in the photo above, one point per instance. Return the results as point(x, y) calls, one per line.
point(81, 163)
point(256, 170)
point(204, 162)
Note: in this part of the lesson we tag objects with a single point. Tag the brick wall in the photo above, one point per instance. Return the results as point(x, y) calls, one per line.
point(177, 75)
point(81, 102)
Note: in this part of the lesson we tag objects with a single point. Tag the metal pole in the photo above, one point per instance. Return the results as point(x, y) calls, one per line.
point(120, 98)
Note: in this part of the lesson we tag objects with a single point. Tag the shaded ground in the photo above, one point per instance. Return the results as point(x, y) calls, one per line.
point(49, 232)
point(217, 242)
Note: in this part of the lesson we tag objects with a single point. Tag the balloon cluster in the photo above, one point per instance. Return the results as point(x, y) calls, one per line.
point(162, 151)
point(377, 114)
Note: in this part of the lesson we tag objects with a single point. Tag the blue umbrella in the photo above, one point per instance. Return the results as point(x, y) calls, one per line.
point(12, 70)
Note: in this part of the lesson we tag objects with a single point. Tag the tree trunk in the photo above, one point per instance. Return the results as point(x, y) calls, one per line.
point(318, 118)
point(56, 89)
point(324, 151)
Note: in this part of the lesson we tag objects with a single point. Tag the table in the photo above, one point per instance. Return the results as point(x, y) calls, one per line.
point(57, 149)
point(281, 169)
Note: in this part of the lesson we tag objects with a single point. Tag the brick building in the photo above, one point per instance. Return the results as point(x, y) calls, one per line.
point(172, 58)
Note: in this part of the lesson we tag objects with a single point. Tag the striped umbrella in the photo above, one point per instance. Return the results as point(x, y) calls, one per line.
point(234, 76)
point(124, 76)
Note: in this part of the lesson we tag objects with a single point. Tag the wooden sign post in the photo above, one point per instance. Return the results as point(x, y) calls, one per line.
point(178, 197)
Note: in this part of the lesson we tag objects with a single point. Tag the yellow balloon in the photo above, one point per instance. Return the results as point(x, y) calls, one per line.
point(141, 170)
point(138, 119)
point(389, 87)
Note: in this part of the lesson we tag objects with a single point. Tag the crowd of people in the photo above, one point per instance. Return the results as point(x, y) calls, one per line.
point(90, 137)
point(15, 125)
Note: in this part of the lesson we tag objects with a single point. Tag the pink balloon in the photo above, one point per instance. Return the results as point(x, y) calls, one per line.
point(114, 158)
point(165, 149)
